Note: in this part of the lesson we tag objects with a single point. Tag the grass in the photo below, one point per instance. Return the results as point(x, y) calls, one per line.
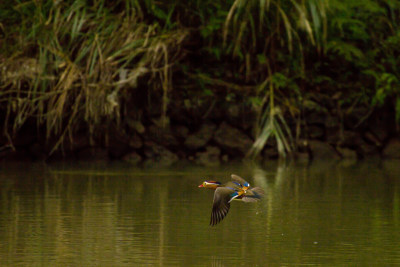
point(79, 62)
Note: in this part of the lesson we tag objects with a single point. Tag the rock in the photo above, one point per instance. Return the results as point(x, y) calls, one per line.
point(232, 139)
point(333, 136)
point(366, 149)
point(348, 139)
point(132, 157)
point(117, 143)
point(77, 143)
point(321, 150)
point(158, 155)
point(302, 157)
point(348, 162)
point(392, 149)
point(347, 153)
point(210, 157)
point(201, 137)
point(162, 136)
point(181, 131)
point(135, 141)
point(136, 126)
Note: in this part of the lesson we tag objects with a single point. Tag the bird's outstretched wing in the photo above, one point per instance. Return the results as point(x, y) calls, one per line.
point(221, 205)
point(253, 195)
point(240, 180)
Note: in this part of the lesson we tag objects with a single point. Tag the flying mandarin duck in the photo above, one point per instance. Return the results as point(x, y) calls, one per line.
point(237, 189)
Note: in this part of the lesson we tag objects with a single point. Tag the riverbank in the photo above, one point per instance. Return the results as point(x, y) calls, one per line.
point(220, 138)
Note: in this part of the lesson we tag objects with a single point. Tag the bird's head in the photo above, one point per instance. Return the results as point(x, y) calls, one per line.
point(210, 184)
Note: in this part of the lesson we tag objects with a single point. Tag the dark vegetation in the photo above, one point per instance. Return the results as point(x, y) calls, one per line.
point(199, 80)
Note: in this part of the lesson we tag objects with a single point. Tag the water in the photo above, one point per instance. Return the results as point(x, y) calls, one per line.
point(115, 215)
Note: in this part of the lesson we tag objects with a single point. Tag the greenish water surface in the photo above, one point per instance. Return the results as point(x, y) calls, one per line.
point(116, 215)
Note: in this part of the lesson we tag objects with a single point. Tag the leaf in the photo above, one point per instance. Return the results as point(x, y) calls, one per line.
point(261, 58)
point(349, 51)
point(159, 13)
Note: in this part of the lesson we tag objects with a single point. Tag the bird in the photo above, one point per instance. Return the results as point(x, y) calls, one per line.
point(237, 189)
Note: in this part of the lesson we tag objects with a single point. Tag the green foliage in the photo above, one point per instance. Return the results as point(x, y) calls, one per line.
point(67, 62)
point(366, 35)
